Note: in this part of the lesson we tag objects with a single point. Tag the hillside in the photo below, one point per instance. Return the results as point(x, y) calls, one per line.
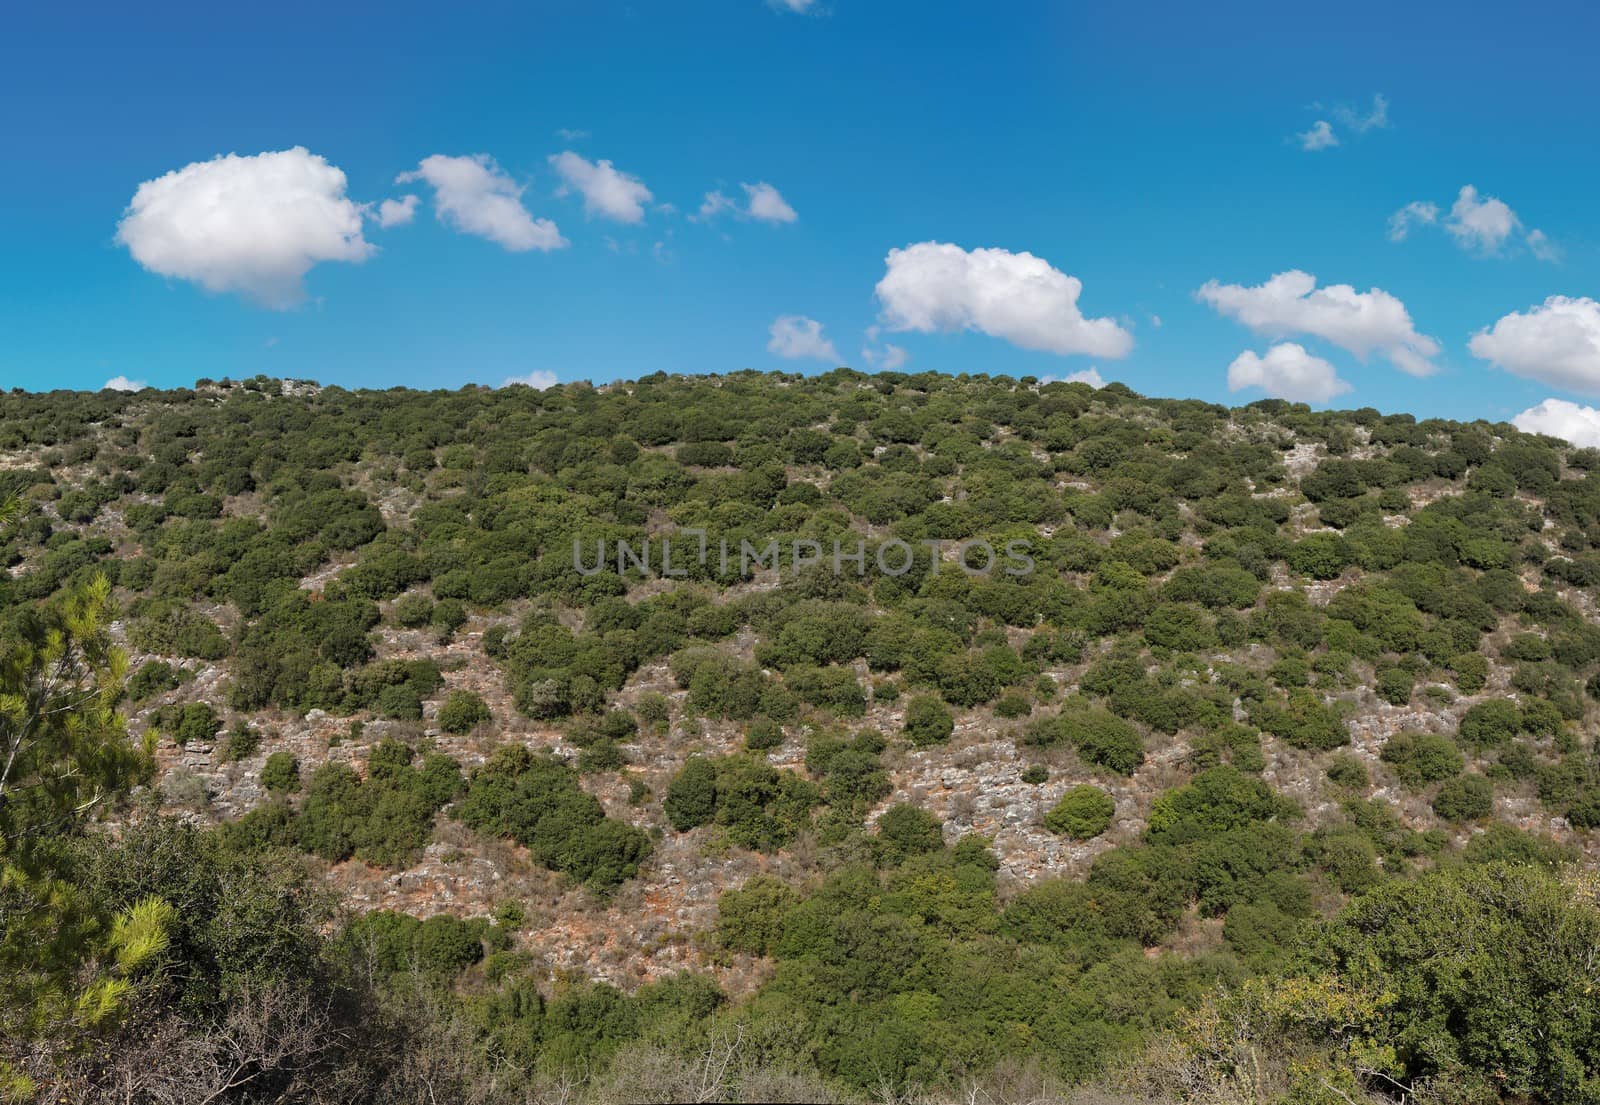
point(1227, 713)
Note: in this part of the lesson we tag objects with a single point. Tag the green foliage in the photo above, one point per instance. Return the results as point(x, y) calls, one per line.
point(195, 722)
point(750, 918)
point(281, 774)
point(1465, 798)
point(463, 712)
point(1422, 758)
point(756, 805)
point(1103, 740)
point(1216, 801)
point(1490, 724)
point(536, 801)
point(927, 721)
point(905, 831)
point(895, 968)
point(64, 953)
point(1083, 813)
point(384, 820)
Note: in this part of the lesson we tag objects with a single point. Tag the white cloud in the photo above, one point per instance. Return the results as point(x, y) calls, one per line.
point(606, 190)
point(1319, 137)
point(1415, 213)
point(1360, 322)
point(539, 379)
point(799, 7)
point(473, 195)
point(1322, 136)
point(1542, 247)
point(1559, 418)
point(397, 212)
point(767, 204)
point(1481, 224)
point(715, 204)
point(1376, 119)
point(762, 202)
point(570, 134)
point(937, 286)
point(1286, 372)
point(1556, 343)
point(1090, 376)
point(253, 225)
point(796, 336)
point(889, 358)
point(122, 383)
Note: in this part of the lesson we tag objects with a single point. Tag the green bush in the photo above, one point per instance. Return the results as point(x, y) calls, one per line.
point(1490, 724)
point(1465, 798)
point(928, 721)
point(762, 735)
point(905, 830)
point(1422, 758)
point(1104, 740)
point(750, 918)
point(281, 774)
point(692, 795)
point(537, 801)
point(1083, 813)
point(463, 712)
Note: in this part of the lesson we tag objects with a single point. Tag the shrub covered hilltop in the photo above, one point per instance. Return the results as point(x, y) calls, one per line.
point(324, 775)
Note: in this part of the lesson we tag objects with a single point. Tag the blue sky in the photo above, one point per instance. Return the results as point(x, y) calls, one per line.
point(1142, 150)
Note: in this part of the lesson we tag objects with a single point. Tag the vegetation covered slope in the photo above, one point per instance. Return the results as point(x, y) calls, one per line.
point(1255, 763)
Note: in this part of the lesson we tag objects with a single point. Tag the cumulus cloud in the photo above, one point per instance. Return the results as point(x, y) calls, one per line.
point(1557, 343)
point(798, 337)
point(1319, 137)
point(397, 212)
point(936, 286)
point(763, 202)
point(1480, 224)
point(1286, 372)
point(474, 196)
point(1483, 223)
point(1558, 418)
point(539, 379)
point(253, 225)
point(122, 383)
point(1360, 322)
point(767, 204)
point(606, 190)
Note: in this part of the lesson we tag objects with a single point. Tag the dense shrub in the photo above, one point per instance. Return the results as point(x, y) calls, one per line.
point(1465, 798)
point(462, 712)
point(1084, 812)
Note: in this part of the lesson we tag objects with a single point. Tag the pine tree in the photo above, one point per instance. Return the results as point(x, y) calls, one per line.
point(65, 966)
